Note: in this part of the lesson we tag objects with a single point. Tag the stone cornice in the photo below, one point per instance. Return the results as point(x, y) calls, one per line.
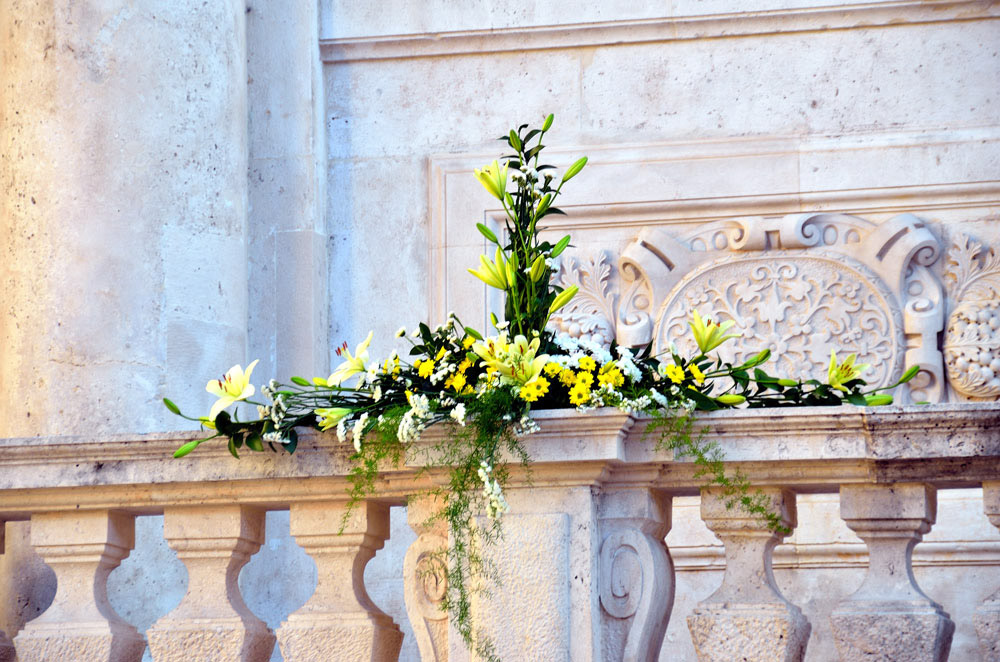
point(681, 28)
point(809, 449)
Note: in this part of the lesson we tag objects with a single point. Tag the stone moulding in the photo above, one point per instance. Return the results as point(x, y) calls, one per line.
point(740, 24)
point(950, 444)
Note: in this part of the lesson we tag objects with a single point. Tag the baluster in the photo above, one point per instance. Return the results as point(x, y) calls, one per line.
point(889, 617)
point(425, 579)
point(6, 645)
point(636, 575)
point(82, 548)
point(340, 622)
point(987, 618)
point(747, 618)
point(212, 622)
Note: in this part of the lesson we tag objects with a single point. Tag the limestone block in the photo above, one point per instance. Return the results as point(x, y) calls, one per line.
point(425, 581)
point(212, 622)
point(889, 617)
point(987, 618)
point(636, 575)
point(530, 617)
point(82, 548)
point(340, 621)
point(747, 618)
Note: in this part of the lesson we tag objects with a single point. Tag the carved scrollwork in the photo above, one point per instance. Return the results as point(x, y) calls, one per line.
point(972, 338)
point(425, 584)
point(636, 591)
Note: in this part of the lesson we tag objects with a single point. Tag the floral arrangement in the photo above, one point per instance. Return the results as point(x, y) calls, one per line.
point(486, 385)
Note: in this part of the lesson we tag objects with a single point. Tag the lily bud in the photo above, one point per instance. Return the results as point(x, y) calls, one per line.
point(787, 382)
point(537, 268)
point(731, 399)
point(563, 298)
point(878, 399)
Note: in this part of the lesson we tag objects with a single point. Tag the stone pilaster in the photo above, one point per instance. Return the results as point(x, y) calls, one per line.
point(987, 618)
point(636, 576)
point(425, 581)
point(340, 622)
point(212, 622)
point(82, 548)
point(889, 617)
point(747, 618)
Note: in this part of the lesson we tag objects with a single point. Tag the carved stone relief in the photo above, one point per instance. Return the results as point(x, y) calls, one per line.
point(972, 338)
point(801, 284)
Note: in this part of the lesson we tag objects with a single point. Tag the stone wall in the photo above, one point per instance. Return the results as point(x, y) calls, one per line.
point(184, 186)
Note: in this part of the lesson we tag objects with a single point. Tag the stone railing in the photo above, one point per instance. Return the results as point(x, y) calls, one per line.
point(586, 573)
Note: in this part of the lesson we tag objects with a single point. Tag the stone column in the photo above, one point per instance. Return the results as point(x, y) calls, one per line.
point(340, 622)
point(889, 617)
point(123, 188)
point(987, 616)
point(635, 574)
point(425, 579)
point(747, 618)
point(82, 548)
point(212, 622)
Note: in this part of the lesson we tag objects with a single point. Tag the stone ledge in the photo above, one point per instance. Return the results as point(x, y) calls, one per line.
point(809, 449)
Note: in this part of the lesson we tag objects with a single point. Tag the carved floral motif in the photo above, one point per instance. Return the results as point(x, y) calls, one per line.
point(800, 306)
point(591, 313)
point(972, 338)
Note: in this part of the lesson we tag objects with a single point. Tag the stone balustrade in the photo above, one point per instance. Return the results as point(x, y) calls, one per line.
point(586, 573)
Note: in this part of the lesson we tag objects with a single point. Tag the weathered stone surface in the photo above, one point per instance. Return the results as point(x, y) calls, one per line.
point(636, 576)
point(340, 619)
point(212, 621)
point(82, 548)
point(987, 618)
point(747, 618)
point(425, 579)
point(889, 617)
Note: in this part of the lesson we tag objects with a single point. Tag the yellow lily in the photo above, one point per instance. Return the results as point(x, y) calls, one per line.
point(837, 375)
point(330, 416)
point(353, 364)
point(235, 385)
point(516, 361)
point(493, 179)
point(707, 334)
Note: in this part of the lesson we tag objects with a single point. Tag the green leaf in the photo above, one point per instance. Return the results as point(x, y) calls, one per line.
point(703, 402)
point(575, 169)
point(300, 381)
point(232, 449)
point(486, 232)
point(425, 333)
point(515, 142)
point(187, 448)
point(293, 441)
point(172, 407)
point(255, 443)
point(531, 134)
point(857, 399)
